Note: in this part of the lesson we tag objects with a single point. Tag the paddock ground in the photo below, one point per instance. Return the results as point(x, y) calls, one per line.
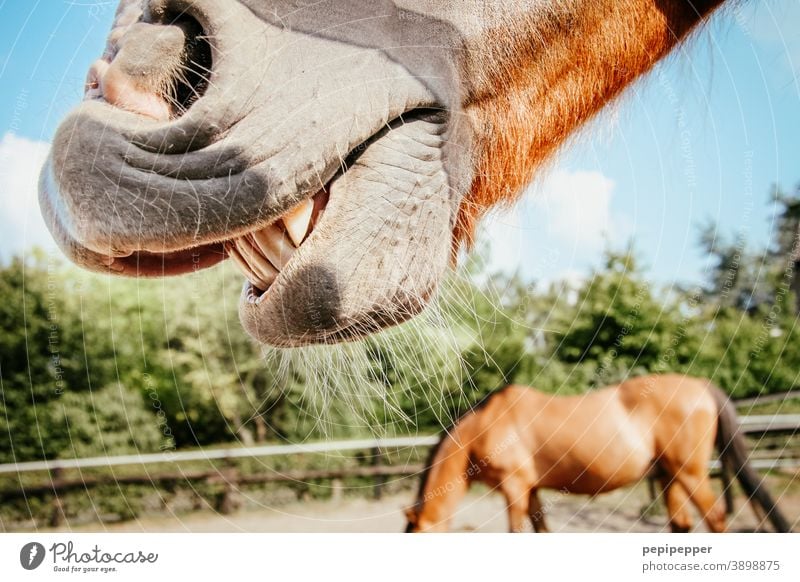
point(480, 511)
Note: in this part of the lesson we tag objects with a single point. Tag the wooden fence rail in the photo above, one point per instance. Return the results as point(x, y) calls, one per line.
point(220, 454)
point(756, 423)
point(778, 397)
point(748, 424)
point(229, 479)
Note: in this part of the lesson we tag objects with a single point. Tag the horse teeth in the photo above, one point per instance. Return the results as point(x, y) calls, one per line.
point(257, 262)
point(116, 267)
point(262, 254)
point(244, 259)
point(275, 245)
point(297, 221)
point(244, 267)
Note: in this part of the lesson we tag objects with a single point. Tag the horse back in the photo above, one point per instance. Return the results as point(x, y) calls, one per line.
point(584, 444)
point(679, 411)
point(667, 401)
point(594, 442)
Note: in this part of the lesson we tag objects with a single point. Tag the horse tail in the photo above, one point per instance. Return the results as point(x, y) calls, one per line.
point(733, 452)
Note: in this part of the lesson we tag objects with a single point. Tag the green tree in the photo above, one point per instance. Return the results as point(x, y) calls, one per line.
point(619, 326)
point(55, 366)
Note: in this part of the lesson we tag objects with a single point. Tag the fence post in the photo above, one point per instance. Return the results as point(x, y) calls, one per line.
point(380, 480)
point(651, 506)
point(336, 490)
point(228, 501)
point(57, 517)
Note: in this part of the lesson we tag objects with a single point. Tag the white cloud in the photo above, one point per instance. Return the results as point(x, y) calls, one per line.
point(558, 229)
point(774, 26)
point(575, 206)
point(21, 224)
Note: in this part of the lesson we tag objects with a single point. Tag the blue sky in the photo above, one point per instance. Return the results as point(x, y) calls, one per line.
point(704, 138)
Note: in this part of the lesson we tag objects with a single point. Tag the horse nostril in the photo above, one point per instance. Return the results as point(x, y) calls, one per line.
point(194, 75)
point(91, 87)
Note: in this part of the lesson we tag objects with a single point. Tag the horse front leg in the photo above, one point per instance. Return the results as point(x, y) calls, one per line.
point(517, 504)
point(536, 512)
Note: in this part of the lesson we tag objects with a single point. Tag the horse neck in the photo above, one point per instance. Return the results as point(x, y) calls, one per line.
point(445, 483)
point(536, 70)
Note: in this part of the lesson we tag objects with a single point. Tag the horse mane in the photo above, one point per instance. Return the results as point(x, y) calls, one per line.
point(540, 79)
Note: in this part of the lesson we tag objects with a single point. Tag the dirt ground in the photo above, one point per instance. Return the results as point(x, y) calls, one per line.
point(481, 511)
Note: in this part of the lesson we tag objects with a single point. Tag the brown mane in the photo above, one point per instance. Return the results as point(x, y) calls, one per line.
point(558, 70)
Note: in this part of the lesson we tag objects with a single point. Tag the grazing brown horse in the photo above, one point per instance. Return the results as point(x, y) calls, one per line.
point(520, 440)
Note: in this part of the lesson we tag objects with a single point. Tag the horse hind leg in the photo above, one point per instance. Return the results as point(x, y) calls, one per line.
point(676, 499)
point(536, 512)
point(686, 459)
point(698, 487)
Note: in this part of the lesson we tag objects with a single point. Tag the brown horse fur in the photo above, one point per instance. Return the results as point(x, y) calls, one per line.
point(520, 440)
point(544, 78)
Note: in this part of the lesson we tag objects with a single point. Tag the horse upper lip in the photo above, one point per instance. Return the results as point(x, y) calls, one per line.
point(105, 84)
point(154, 69)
